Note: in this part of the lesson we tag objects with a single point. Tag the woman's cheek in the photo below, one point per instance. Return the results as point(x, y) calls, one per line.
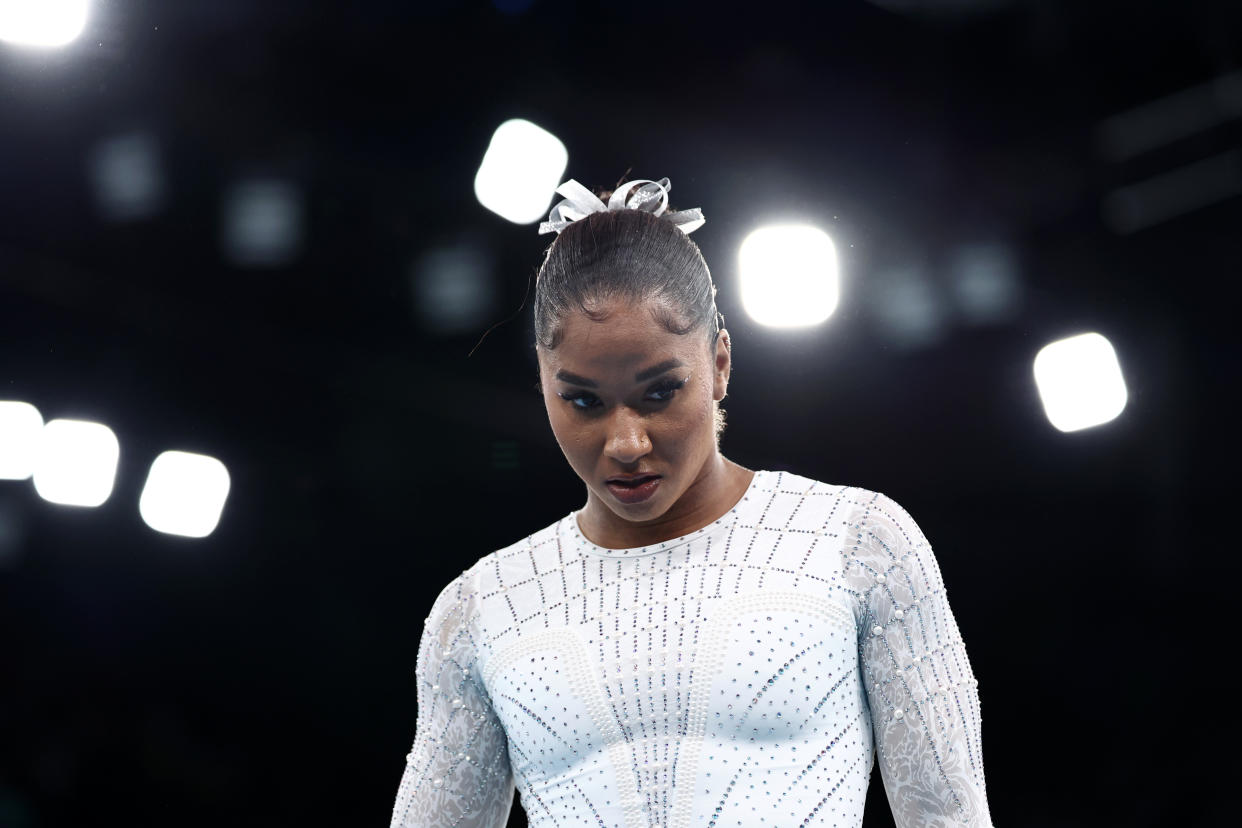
point(699, 416)
point(564, 433)
point(576, 440)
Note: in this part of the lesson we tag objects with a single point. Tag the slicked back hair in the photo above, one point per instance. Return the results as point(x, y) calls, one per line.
point(624, 254)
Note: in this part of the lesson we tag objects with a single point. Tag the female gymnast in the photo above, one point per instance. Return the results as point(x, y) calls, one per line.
point(700, 644)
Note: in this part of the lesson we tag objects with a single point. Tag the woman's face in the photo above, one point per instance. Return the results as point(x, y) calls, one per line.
point(632, 406)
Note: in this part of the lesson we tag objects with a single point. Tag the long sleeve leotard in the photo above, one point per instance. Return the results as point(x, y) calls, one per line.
point(747, 674)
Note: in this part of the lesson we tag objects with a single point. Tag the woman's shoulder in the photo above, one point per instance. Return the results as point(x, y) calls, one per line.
point(493, 570)
point(876, 531)
point(839, 498)
point(802, 502)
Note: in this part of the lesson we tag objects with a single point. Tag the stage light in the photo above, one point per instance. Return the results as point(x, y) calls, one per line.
point(21, 426)
point(1080, 382)
point(985, 283)
point(76, 463)
point(1171, 194)
point(262, 224)
point(1171, 118)
point(788, 276)
point(126, 176)
point(184, 494)
point(520, 171)
point(455, 287)
point(42, 22)
point(908, 306)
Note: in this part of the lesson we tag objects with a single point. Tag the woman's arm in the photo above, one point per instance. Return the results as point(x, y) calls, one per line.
point(457, 773)
point(920, 687)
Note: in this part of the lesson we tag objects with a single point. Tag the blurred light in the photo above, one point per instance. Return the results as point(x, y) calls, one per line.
point(1080, 382)
point(520, 171)
point(1172, 194)
point(42, 22)
point(908, 306)
point(184, 494)
point(454, 287)
point(21, 426)
point(262, 223)
point(76, 463)
point(126, 176)
point(13, 531)
point(1171, 118)
point(985, 283)
point(788, 276)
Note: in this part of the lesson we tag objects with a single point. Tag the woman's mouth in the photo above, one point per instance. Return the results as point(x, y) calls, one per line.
point(633, 489)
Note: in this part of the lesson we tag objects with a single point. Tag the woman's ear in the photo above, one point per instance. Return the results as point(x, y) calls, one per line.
point(723, 358)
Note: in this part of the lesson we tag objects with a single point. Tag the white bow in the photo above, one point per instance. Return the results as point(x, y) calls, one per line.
point(652, 196)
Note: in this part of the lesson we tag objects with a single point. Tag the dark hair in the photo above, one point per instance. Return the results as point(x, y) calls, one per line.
point(630, 254)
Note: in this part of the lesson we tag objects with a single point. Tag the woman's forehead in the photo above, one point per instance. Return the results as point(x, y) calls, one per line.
point(624, 325)
point(602, 354)
point(627, 339)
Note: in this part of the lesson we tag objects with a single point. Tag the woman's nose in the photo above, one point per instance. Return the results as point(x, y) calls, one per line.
point(627, 437)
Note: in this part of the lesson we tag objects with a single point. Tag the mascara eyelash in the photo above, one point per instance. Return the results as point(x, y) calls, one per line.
point(668, 385)
point(659, 388)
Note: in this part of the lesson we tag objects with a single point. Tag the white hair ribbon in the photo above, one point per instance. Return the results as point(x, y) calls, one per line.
point(652, 197)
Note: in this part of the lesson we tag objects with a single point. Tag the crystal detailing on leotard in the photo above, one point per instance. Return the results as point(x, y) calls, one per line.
point(745, 674)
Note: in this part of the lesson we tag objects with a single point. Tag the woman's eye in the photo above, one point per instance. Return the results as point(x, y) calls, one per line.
point(658, 393)
point(665, 391)
point(581, 400)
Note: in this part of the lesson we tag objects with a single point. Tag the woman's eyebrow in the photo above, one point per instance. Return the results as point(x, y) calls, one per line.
point(656, 370)
point(574, 379)
point(645, 374)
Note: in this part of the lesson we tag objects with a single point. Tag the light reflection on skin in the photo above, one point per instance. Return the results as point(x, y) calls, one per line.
point(626, 396)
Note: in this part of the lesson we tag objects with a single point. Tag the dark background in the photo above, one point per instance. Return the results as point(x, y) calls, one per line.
point(264, 675)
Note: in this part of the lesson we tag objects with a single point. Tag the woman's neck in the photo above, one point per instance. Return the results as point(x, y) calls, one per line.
point(715, 491)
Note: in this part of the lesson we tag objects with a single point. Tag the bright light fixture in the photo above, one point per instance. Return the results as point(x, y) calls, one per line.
point(184, 494)
point(76, 463)
point(42, 22)
point(1080, 382)
point(520, 171)
point(21, 426)
point(789, 276)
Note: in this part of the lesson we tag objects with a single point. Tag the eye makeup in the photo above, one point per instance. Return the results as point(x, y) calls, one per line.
point(659, 393)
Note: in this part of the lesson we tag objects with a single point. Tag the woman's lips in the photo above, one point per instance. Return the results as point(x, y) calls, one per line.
point(637, 492)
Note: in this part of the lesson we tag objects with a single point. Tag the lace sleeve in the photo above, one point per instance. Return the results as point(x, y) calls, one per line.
point(919, 684)
point(458, 772)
